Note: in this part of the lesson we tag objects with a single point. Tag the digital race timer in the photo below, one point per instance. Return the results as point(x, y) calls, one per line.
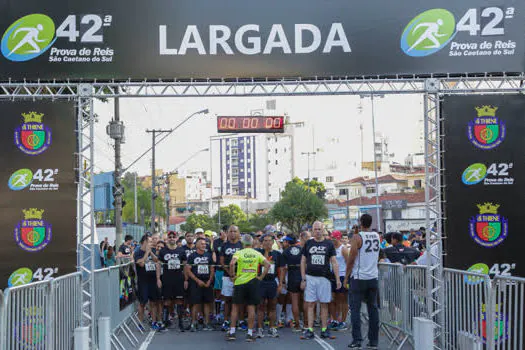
point(251, 124)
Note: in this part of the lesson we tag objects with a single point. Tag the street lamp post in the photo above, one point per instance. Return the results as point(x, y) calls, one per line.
point(308, 154)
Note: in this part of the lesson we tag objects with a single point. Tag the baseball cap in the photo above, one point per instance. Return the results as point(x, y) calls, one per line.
point(337, 234)
point(199, 230)
point(172, 233)
point(289, 239)
point(208, 233)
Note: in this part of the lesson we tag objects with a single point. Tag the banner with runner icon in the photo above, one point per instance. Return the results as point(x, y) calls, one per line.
point(176, 39)
point(484, 190)
point(38, 191)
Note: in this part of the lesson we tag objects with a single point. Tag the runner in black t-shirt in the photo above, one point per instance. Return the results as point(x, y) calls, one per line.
point(318, 254)
point(124, 251)
point(148, 289)
point(269, 288)
point(228, 249)
point(292, 255)
point(201, 271)
point(173, 284)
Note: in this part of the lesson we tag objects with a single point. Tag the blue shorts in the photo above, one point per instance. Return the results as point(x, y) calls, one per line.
point(217, 285)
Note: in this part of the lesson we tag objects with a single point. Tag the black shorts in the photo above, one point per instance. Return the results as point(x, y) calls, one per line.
point(343, 289)
point(199, 295)
point(294, 286)
point(173, 287)
point(148, 291)
point(268, 289)
point(247, 294)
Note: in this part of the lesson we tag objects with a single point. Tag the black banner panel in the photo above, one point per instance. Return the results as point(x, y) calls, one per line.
point(484, 163)
point(167, 39)
point(37, 191)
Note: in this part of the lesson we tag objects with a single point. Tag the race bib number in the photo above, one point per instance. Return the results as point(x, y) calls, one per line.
point(150, 266)
point(318, 259)
point(203, 270)
point(271, 269)
point(174, 264)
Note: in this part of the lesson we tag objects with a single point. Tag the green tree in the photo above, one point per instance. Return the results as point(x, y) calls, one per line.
point(315, 187)
point(230, 215)
point(194, 221)
point(143, 202)
point(297, 207)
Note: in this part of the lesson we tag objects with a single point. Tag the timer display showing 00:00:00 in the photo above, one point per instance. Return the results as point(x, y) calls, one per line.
point(250, 124)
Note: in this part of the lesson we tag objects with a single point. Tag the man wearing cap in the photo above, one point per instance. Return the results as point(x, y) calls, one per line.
point(292, 260)
point(269, 288)
point(173, 285)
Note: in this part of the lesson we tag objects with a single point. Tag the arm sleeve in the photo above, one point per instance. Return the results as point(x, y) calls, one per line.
point(280, 260)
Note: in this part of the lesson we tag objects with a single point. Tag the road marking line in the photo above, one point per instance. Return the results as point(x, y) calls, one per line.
point(323, 343)
point(147, 341)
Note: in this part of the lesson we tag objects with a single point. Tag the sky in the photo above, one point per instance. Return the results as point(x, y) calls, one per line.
point(325, 117)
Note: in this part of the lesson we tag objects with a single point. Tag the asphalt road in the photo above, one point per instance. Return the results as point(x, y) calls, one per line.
point(215, 340)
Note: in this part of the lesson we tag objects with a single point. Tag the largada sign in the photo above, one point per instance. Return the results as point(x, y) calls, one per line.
point(166, 39)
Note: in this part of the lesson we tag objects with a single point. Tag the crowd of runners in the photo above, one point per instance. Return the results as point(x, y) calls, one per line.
point(259, 282)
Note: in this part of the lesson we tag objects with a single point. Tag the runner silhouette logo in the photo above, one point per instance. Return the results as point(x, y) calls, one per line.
point(28, 37)
point(428, 33)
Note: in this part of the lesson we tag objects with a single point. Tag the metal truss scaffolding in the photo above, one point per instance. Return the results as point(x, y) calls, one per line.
point(85, 205)
point(258, 87)
point(434, 242)
point(431, 88)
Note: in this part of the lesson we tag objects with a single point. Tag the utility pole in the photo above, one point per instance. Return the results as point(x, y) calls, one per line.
point(136, 205)
point(115, 130)
point(154, 133)
point(168, 202)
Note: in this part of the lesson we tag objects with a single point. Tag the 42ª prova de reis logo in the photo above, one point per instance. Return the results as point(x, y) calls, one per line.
point(488, 228)
point(487, 131)
point(33, 233)
point(482, 29)
point(31, 36)
point(33, 137)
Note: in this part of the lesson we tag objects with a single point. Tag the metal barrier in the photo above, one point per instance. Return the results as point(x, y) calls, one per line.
point(108, 293)
point(478, 313)
point(508, 313)
point(34, 316)
point(466, 296)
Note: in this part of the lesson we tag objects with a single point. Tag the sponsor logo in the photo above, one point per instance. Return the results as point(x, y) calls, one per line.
point(33, 35)
point(40, 180)
point(20, 277)
point(428, 33)
point(20, 179)
point(28, 38)
point(481, 32)
point(32, 137)
point(30, 330)
point(495, 174)
point(295, 251)
point(488, 228)
point(486, 131)
point(476, 268)
point(316, 249)
point(501, 324)
point(33, 233)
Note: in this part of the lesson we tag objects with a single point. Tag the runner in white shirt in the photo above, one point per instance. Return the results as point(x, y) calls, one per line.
point(362, 265)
